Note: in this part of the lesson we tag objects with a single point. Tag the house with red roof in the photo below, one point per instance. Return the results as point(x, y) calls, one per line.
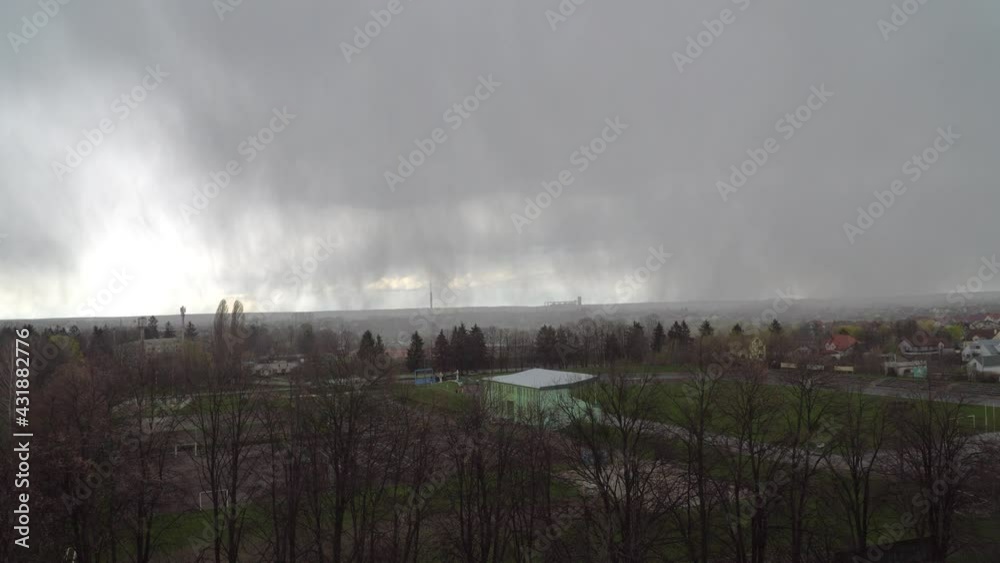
point(840, 345)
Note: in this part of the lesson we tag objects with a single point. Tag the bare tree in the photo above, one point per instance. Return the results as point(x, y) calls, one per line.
point(857, 450)
point(481, 463)
point(144, 478)
point(225, 426)
point(692, 412)
point(808, 443)
point(937, 452)
point(532, 507)
point(629, 490)
point(753, 458)
point(285, 455)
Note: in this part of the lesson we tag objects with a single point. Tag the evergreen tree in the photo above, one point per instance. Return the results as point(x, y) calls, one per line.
point(567, 347)
point(659, 337)
point(415, 353)
point(546, 346)
point(168, 331)
point(441, 354)
point(636, 343)
point(478, 353)
point(459, 347)
point(706, 329)
point(776, 327)
point(685, 333)
point(612, 349)
point(152, 328)
point(737, 330)
point(366, 348)
point(379, 349)
point(191, 331)
point(305, 340)
point(99, 340)
point(674, 334)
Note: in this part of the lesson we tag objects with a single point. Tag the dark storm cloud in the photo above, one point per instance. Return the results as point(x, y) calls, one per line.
point(323, 176)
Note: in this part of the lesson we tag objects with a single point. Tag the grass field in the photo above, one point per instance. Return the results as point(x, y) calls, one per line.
point(670, 397)
point(445, 397)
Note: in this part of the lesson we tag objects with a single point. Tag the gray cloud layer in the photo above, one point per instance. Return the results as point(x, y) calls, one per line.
point(322, 177)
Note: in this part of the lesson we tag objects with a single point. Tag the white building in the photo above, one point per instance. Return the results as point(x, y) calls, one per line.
point(275, 367)
point(985, 365)
point(979, 348)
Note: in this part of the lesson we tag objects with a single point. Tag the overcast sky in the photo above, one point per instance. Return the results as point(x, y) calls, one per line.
point(179, 88)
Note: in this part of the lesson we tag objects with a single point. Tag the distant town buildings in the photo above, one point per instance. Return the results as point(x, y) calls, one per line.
point(989, 321)
point(152, 347)
point(275, 367)
point(578, 303)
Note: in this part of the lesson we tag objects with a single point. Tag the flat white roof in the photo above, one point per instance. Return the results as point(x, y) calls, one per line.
point(543, 378)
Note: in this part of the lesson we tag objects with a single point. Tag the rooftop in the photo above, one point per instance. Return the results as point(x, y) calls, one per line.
point(986, 347)
point(841, 342)
point(543, 378)
point(989, 361)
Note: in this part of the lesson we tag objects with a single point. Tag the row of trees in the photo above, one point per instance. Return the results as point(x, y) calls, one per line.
point(466, 351)
point(720, 467)
point(151, 329)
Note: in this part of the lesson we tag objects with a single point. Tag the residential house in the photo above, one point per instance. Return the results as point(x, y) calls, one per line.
point(982, 334)
point(978, 348)
point(840, 345)
point(985, 365)
point(923, 346)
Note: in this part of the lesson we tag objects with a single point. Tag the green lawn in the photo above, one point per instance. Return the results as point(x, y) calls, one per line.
point(445, 397)
point(669, 400)
point(632, 368)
